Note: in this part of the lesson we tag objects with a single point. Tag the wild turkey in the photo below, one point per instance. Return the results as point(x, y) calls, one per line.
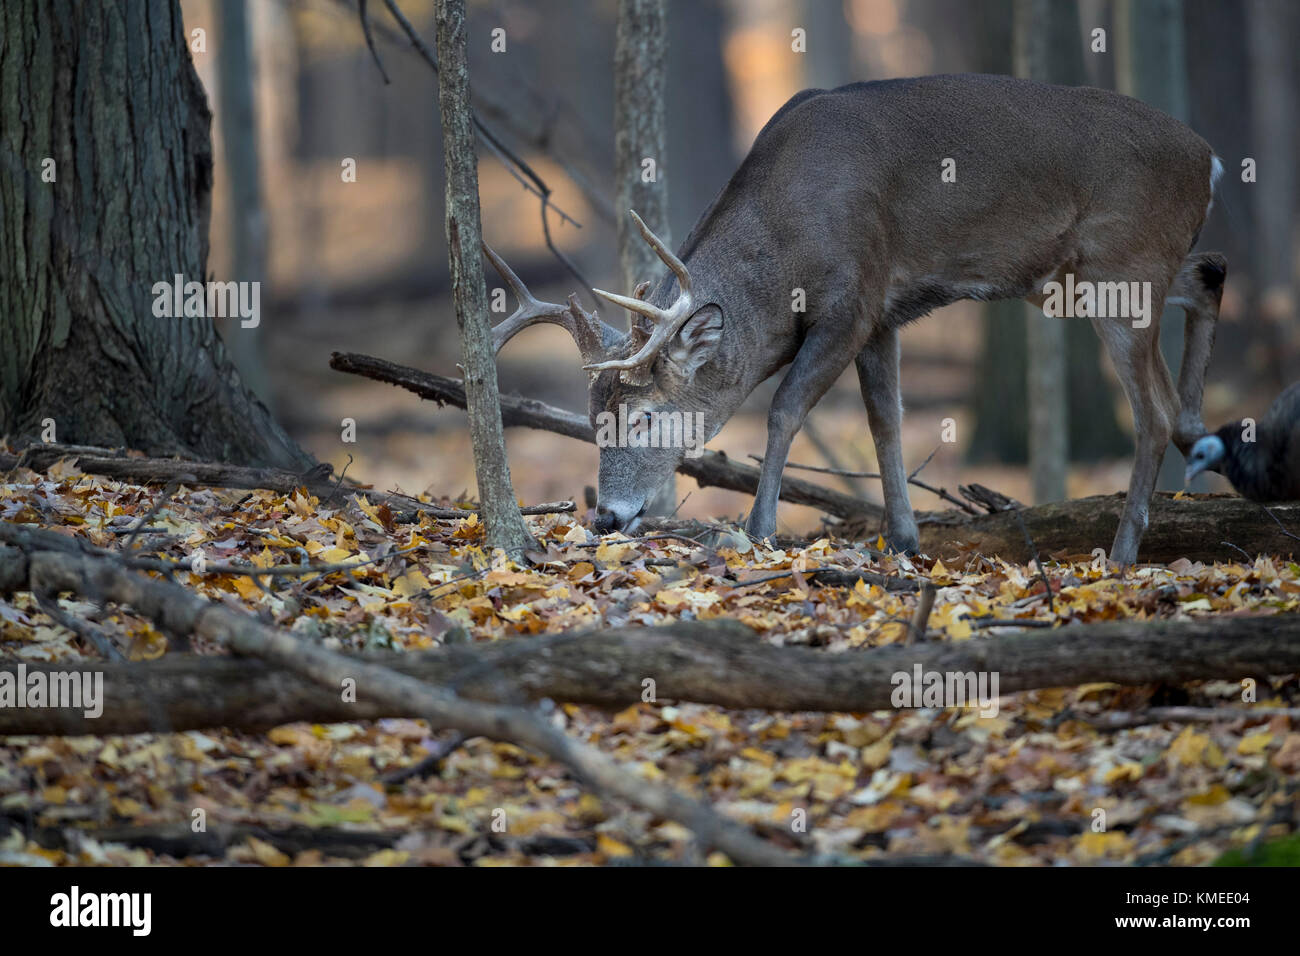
point(1265, 469)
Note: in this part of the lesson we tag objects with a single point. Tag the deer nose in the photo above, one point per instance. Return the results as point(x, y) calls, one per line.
point(617, 516)
point(605, 521)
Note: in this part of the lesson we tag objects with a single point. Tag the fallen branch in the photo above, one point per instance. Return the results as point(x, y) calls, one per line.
point(175, 609)
point(1120, 720)
point(942, 493)
point(721, 663)
point(1190, 527)
point(101, 461)
point(710, 469)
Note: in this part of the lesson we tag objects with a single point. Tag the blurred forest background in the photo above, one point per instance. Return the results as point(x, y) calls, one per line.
point(362, 266)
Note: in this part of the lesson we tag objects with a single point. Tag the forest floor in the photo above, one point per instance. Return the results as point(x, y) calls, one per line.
point(1031, 780)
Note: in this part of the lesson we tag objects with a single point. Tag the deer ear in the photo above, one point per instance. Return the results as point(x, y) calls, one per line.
point(697, 342)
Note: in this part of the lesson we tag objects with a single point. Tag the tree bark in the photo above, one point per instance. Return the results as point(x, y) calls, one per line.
point(504, 526)
point(641, 133)
point(107, 91)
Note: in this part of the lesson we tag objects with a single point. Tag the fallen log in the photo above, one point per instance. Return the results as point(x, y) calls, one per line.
point(106, 464)
point(711, 469)
point(720, 662)
point(1199, 527)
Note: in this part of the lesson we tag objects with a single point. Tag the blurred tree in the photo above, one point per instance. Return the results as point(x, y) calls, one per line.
point(1273, 147)
point(505, 526)
point(1042, 30)
point(701, 134)
point(1151, 65)
point(829, 61)
point(248, 225)
point(105, 190)
point(1001, 422)
point(641, 155)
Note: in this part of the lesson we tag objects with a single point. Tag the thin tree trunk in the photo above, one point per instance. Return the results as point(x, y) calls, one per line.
point(641, 134)
point(505, 526)
point(1151, 65)
point(105, 190)
point(1273, 110)
point(239, 144)
point(1001, 424)
point(1047, 400)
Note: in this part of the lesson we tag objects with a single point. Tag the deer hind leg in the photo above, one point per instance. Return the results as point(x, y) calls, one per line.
point(877, 365)
point(1145, 378)
point(1198, 288)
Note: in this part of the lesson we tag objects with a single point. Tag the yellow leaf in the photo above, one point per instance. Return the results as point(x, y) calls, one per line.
point(1125, 771)
point(1216, 795)
point(387, 857)
point(610, 847)
point(266, 854)
point(1254, 743)
point(410, 583)
point(1192, 749)
point(612, 552)
point(1104, 845)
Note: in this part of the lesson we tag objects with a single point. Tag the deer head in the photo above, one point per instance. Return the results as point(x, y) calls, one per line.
point(645, 398)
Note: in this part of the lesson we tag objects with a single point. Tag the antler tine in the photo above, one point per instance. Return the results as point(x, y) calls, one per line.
point(530, 311)
point(639, 306)
point(664, 253)
point(667, 321)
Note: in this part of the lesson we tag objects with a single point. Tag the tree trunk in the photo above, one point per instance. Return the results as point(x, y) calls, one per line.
point(641, 134)
point(1001, 425)
point(105, 186)
point(1151, 65)
point(505, 526)
point(1273, 111)
point(1001, 420)
point(236, 76)
point(1036, 29)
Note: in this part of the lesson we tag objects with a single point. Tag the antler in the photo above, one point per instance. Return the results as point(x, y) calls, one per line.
point(593, 337)
point(666, 322)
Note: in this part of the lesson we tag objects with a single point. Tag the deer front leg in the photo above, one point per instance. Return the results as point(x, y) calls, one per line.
point(878, 378)
point(822, 357)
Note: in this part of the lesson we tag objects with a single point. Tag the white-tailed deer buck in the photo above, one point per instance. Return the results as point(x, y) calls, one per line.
point(876, 203)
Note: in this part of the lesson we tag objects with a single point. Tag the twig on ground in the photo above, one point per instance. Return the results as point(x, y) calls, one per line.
point(924, 605)
point(942, 493)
